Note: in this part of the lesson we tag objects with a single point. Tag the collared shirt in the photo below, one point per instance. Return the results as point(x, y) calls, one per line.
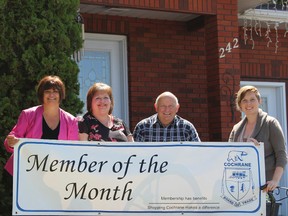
point(151, 130)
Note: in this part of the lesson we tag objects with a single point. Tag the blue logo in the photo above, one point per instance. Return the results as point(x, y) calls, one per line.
point(238, 187)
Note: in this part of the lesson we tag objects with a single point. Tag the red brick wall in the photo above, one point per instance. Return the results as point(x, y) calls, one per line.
point(171, 56)
point(191, 6)
point(264, 63)
point(162, 56)
point(222, 70)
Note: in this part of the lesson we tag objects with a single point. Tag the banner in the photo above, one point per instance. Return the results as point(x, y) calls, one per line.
point(103, 178)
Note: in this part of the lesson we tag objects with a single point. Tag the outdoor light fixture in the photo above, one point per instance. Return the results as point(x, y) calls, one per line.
point(79, 53)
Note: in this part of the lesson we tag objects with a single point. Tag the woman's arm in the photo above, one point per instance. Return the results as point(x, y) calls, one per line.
point(130, 138)
point(272, 184)
point(18, 131)
point(83, 136)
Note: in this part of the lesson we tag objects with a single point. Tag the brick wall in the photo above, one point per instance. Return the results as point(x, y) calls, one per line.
point(222, 68)
point(192, 6)
point(162, 56)
point(177, 57)
point(265, 62)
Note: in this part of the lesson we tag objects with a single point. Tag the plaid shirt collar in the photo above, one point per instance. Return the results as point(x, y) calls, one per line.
point(155, 120)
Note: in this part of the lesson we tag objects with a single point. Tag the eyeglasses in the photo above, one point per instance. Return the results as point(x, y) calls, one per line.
point(105, 99)
point(51, 91)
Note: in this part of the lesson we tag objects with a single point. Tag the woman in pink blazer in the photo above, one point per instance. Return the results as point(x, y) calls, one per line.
point(46, 121)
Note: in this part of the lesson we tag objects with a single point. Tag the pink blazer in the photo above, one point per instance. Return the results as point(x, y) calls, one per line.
point(29, 125)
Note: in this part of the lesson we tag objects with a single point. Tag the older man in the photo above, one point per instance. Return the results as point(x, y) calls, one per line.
point(165, 125)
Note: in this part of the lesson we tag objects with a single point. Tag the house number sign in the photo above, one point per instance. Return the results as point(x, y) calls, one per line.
point(229, 47)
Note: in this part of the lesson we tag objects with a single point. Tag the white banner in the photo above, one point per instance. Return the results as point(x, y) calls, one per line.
point(91, 178)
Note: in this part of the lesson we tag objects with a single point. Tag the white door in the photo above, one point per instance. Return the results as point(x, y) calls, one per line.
point(104, 59)
point(274, 103)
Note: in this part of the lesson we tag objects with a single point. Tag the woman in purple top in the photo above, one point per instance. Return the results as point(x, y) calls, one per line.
point(46, 121)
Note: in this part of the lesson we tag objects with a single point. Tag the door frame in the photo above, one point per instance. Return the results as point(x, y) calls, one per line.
point(119, 78)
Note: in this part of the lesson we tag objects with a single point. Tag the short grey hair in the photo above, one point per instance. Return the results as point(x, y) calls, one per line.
point(166, 94)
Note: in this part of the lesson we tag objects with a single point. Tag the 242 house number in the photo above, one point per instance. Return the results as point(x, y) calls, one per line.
point(228, 48)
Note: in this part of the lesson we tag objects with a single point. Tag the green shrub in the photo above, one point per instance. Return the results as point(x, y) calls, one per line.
point(37, 38)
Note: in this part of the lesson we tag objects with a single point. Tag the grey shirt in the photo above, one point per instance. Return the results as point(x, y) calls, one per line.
point(268, 131)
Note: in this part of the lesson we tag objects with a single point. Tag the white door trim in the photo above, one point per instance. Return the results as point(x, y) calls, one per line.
point(117, 78)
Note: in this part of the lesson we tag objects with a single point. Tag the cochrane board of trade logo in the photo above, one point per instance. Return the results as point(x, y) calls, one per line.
point(238, 187)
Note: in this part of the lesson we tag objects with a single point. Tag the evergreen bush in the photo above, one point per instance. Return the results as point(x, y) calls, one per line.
point(37, 38)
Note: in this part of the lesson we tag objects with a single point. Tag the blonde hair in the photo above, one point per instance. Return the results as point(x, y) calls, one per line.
point(242, 92)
